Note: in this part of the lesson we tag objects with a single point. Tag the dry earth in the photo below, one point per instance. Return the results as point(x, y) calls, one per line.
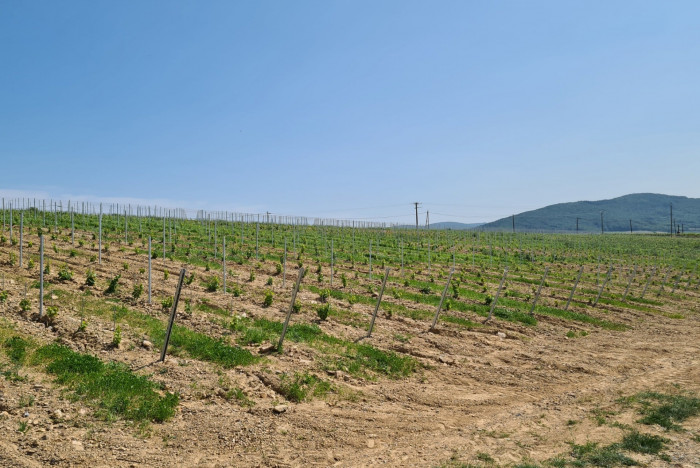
point(479, 395)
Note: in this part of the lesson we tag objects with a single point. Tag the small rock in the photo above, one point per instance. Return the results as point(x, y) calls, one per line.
point(370, 443)
point(146, 344)
point(501, 335)
point(54, 297)
point(57, 414)
point(446, 359)
point(279, 409)
point(77, 445)
point(266, 348)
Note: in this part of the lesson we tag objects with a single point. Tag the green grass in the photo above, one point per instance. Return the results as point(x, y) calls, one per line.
point(182, 340)
point(204, 347)
point(302, 386)
point(112, 387)
point(591, 454)
point(643, 443)
point(339, 354)
point(665, 410)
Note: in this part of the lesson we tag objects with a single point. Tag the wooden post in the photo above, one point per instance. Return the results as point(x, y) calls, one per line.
point(653, 271)
point(149, 270)
point(442, 299)
point(370, 259)
point(573, 290)
point(284, 263)
point(176, 299)
point(537, 295)
point(495, 299)
point(602, 286)
point(21, 232)
point(99, 245)
point(379, 301)
point(41, 276)
point(627, 289)
point(332, 263)
point(663, 283)
point(291, 309)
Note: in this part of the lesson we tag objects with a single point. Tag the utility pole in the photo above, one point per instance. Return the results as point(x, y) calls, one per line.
point(577, 224)
point(513, 217)
point(671, 219)
point(427, 219)
point(602, 231)
point(416, 205)
point(630, 226)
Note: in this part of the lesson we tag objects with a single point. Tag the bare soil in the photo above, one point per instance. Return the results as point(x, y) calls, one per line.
point(478, 396)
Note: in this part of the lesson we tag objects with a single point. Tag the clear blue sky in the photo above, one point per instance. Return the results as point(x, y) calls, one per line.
point(354, 109)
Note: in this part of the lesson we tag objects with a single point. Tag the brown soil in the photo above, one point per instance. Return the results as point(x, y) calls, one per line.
point(522, 397)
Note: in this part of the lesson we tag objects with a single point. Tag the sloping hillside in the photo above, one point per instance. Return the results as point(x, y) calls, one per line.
point(647, 212)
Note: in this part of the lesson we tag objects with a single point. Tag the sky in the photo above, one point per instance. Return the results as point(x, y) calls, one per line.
point(350, 109)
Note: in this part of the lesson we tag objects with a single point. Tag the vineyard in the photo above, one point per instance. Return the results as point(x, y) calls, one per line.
point(404, 347)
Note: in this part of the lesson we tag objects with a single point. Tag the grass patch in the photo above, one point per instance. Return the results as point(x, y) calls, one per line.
point(665, 410)
point(591, 454)
point(303, 386)
point(643, 443)
point(111, 387)
point(348, 356)
point(515, 316)
point(204, 347)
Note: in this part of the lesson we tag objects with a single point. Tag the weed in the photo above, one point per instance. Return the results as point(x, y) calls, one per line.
point(190, 279)
point(51, 314)
point(324, 294)
point(666, 410)
point(240, 397)
point(26, 401)
point(137, 291)
point(166, 303)
point(213, 284)
point(591, 454)
point(643, 443)
point(25, 304)
point(113, 285)
point(90, 277)
point(117, 337)
point(303, 385)
point(323, 311)
point(23, 427)
point(269, 297)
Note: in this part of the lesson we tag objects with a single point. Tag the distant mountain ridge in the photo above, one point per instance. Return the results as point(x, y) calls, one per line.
point(646, 211)
point(444, 225)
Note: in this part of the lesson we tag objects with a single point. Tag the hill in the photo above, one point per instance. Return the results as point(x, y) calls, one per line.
point(444, 225)
point(647, 212)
